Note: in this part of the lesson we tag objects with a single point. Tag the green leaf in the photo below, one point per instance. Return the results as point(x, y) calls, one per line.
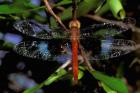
point(83, 7)
point(9, 9)
point(82, 68)
point(63, 2)
point(16, 7)
point(55, 76)
point(103, 9)
point(80, 74)
point(34, 89)
point(107, 89)
point(8, 45)
point(112, 82)
point(116, 8)
point(100, 5)
point(20, 3)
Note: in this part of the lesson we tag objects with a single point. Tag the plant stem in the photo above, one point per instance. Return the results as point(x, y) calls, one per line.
point(48, 7)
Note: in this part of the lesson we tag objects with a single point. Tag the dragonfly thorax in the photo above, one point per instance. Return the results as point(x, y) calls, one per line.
point(74, 24)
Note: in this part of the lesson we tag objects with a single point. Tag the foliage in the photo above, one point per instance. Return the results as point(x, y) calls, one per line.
point(54, 77)
point(113, 83)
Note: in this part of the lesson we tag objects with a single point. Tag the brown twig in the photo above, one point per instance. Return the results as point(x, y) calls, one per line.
point(74, 10)
point(136, 60)
point(83, 54)
point(68, 62)
point(48, 7)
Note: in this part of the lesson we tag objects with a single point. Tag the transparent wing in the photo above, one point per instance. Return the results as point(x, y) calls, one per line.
point(102, 31)
point(33, 49)
point(112, 48)
point(37, 30)
point(43, 50)
point(61, 52)
point(54, 48)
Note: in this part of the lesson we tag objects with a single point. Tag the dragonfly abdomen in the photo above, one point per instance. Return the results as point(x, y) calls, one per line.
point(75, 33)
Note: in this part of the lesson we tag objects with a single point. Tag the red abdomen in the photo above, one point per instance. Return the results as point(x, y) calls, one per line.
point(74, 41)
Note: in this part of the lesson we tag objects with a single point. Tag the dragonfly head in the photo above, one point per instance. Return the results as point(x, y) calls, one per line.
point(74, 24)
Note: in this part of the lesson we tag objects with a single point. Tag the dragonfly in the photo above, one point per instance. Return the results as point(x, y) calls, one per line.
point(76, 44)
point(55, 45)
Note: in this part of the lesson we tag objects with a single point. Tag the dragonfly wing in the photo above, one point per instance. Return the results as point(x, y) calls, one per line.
point(33, 28)
point(53, 50)
point(33, 49)
point(112, 48)
point(41, 31)
point(101, 31)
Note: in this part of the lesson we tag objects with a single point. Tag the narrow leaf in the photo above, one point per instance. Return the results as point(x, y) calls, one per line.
point(9, 9)
point(84, 7)
point(107, 89)
point(55, 76)
point(103, 9)
point(64, 2)
point(112, 82)
point(80, 74)
point(34, 89)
